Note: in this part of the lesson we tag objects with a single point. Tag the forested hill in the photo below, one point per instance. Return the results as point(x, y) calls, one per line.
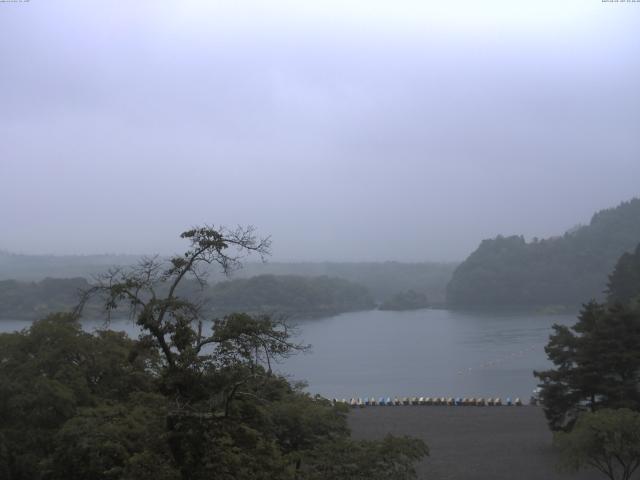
point(382, 279)
point(562, 271)
point(290, 295)
point(22, 267)
point(34, 300)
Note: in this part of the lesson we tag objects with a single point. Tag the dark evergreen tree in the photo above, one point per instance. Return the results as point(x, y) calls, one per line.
point(597, 364)
point(624, 282)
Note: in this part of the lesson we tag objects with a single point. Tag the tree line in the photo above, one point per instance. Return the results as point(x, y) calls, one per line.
point(382, 279)
point(287, 295)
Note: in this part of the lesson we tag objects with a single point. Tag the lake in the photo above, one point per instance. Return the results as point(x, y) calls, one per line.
point(415, 353)
point(424, 353)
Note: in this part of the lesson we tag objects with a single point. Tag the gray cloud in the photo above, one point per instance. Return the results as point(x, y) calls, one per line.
point(352, 135)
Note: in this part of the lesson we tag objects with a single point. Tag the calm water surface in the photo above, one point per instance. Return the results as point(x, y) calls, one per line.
point(421, 353)
point(424, 353)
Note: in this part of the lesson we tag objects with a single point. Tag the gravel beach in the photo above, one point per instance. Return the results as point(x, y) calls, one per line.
point(471, 443)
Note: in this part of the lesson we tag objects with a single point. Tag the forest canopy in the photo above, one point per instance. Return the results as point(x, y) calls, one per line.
point(192, 398)
point(564, 271)
point(289, 295)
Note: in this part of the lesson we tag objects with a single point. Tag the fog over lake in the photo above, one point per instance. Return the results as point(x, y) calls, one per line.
point(421, 352)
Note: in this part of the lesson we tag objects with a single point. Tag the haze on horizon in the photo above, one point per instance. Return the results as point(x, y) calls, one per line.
point(356, 130)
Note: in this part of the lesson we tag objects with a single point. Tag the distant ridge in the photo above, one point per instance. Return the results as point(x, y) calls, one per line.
point(382, 279)
point(18, 266)
point(560, 271)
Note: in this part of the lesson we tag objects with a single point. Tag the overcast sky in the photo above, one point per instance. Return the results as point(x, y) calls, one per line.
point(347, 130)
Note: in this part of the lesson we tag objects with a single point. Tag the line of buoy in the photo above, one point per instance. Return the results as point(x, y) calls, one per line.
point(445, 401)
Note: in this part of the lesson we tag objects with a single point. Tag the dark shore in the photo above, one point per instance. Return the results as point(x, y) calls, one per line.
point(471, 443)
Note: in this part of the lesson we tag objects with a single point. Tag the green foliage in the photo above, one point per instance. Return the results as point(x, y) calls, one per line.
point(608, 440)
point(289, 295)
point(302, 423)
point(597, 361)
point(382, 279)
point(190, 399)
point(53, 371)
point(597, 364)
point(21, 300)
point(409, 300)
point(507, 271)
point(124, 440)
point(75, 405)
point(624, 282)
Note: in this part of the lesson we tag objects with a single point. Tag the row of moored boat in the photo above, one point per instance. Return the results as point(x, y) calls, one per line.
point(447, 401)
